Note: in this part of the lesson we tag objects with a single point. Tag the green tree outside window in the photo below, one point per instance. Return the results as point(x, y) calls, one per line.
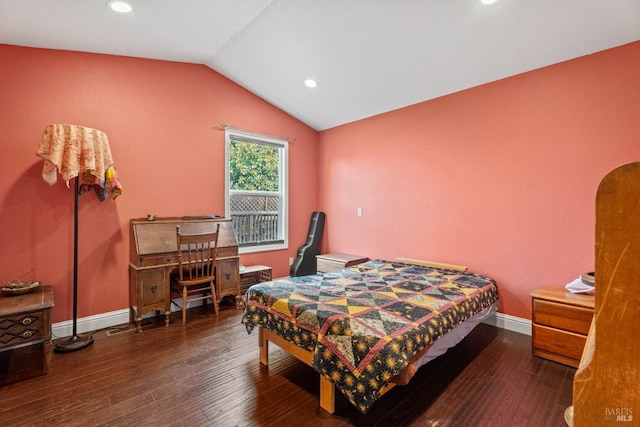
point(253, 167)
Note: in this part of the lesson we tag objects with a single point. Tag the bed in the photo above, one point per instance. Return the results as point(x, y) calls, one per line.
point(368, 327)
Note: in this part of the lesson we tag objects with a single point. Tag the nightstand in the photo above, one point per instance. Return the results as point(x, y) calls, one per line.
point(25, 334)
point(333, 262)
point(560, 324)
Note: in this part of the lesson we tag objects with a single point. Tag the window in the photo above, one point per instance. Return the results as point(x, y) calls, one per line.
point(256, 190)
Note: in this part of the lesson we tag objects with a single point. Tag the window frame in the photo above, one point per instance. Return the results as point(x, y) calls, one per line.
point(283, 210)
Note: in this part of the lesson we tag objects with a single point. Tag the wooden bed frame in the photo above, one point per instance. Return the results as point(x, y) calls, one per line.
point(327, 388)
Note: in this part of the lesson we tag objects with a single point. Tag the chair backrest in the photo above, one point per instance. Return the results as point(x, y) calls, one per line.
point(605, 386)
point(197, 254)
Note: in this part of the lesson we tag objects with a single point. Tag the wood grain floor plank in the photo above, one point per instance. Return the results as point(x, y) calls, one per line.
point(207, 374)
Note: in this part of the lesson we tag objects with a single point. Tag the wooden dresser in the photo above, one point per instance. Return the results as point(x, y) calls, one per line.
point(25, 334)
point(560, 324)
point(333, 262)
point(154, 255)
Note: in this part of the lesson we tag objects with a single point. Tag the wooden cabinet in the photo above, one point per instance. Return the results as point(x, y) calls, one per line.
point(153, 256)
point(25, 334)
point(149, 290)
point(252, 274)
point(336, 261)
point(228, 278)
point(560, 324)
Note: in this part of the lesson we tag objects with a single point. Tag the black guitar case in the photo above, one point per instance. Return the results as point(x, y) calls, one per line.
point(305, 263)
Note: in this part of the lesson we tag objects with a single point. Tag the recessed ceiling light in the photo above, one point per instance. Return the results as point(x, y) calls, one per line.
point(488, 1)
point(119, 6)
point(310, 83)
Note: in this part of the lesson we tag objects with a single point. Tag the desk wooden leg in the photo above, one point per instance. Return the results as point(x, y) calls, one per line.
point(327, 395)
point(239, 301)
point(263, 342)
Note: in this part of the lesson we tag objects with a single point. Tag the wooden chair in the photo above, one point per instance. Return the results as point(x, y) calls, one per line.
point(195, 278)
point(605, 386)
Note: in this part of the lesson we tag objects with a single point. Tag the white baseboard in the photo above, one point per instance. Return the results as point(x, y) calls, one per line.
point(101, 321)
point(119, 317)
point(510, 323)
point(91, 323)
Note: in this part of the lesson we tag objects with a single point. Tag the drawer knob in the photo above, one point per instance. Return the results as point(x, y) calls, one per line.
point(27, 321)
point(154, 288)
point(27, 334)
point(228, 276)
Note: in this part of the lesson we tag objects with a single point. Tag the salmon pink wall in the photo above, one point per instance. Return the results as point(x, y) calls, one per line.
point(160, 118)
point(501, 177)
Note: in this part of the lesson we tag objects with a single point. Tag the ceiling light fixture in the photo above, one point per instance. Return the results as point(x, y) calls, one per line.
point(119, 6)
point(310, 83)
point(488, 1)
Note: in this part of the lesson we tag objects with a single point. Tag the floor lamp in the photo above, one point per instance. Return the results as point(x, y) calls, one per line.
point(74, 150)
point(74, 342)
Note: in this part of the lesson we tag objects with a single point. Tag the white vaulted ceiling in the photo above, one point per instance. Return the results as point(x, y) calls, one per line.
point(368, 56)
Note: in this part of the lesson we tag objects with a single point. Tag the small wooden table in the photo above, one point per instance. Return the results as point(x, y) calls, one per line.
point(337, 261)
point(560, 324)
point(25, 334)
point(252, 274)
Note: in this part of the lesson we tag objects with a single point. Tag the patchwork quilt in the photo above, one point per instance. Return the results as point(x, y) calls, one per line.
point(365, 323)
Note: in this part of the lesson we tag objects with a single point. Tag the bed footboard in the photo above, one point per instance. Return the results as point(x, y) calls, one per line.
point(327, 388)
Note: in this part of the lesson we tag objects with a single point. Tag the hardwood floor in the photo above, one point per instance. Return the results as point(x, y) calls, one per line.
point(207, 374)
